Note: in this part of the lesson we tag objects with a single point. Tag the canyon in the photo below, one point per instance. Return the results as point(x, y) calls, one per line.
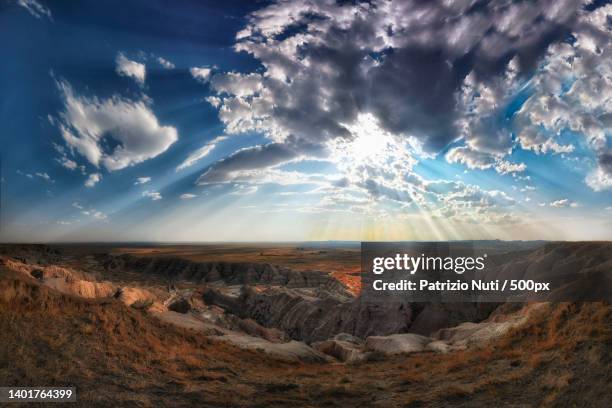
point(302, 317)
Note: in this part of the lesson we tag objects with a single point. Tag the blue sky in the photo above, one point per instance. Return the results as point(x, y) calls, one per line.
point(296, 120)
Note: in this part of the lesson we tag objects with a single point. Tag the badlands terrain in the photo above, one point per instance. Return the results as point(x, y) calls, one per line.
point(284, 325)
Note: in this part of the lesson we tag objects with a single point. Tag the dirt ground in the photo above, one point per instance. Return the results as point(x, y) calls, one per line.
point(117, 355)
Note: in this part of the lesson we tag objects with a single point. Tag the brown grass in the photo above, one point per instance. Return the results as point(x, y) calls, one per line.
point(117, 355)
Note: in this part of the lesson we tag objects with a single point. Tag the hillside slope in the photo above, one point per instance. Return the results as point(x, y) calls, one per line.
point(117, 355)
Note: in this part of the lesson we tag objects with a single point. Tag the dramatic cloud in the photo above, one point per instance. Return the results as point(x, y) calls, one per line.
point(93, 179)
point(326, 62)
point(35, 8)
point(200, 153)
point(571, 90)
point(327, 65)
point(474, 159)
point(129, 68)
point(114, 132)
point(373, 88)
point(153, 195)
point(251, 158)
point(142, 180)
point(201, 74)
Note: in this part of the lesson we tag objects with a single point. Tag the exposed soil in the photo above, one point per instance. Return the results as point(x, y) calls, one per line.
point(123, 355)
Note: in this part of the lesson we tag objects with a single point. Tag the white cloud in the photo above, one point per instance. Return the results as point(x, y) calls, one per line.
point(165, 63)
point(153, 195)
point(35, 8)
point(474, 159)
point(67, 163)
point(44, 176)
point(505, 167)
point(563, 203)
point(129, 68)
point(93, 179)
point(233, 83)
point(187, 196)
point(599, 180)
point(202, 74)
point(99, 215)
point(21, 173)
point(200, 153)
point(353, 65)
point(89, 123)
point(142, 180)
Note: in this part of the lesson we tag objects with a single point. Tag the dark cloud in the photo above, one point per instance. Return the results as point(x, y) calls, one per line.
point(435, 72)
point(402, 61)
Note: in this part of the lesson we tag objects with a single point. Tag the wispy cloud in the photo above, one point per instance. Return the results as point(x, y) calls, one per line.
point(153, 195)
point(200, 153)
point(142, 180)
point(165, 63)
point(35, 8)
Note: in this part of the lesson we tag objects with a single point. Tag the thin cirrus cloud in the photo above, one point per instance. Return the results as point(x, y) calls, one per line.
point(200, 153)
point(165, 63)
point(142, 180)
point(35, 8)
point(153, 195)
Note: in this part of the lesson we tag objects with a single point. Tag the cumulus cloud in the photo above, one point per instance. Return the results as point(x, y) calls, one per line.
point(474, 159)
point(327, 64)
point(202, 74)
point(132, 69)
point(35, 8)
point(142, 180)
point(200, 153)
point(571, 90)
point(348, 59)
point(416, 76)
point(114, 132)
point(600, 179)
point(505, 167)
point(93, 179)
point(153, 195)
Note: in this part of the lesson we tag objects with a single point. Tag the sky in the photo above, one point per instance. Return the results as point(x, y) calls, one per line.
point(305, 120)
